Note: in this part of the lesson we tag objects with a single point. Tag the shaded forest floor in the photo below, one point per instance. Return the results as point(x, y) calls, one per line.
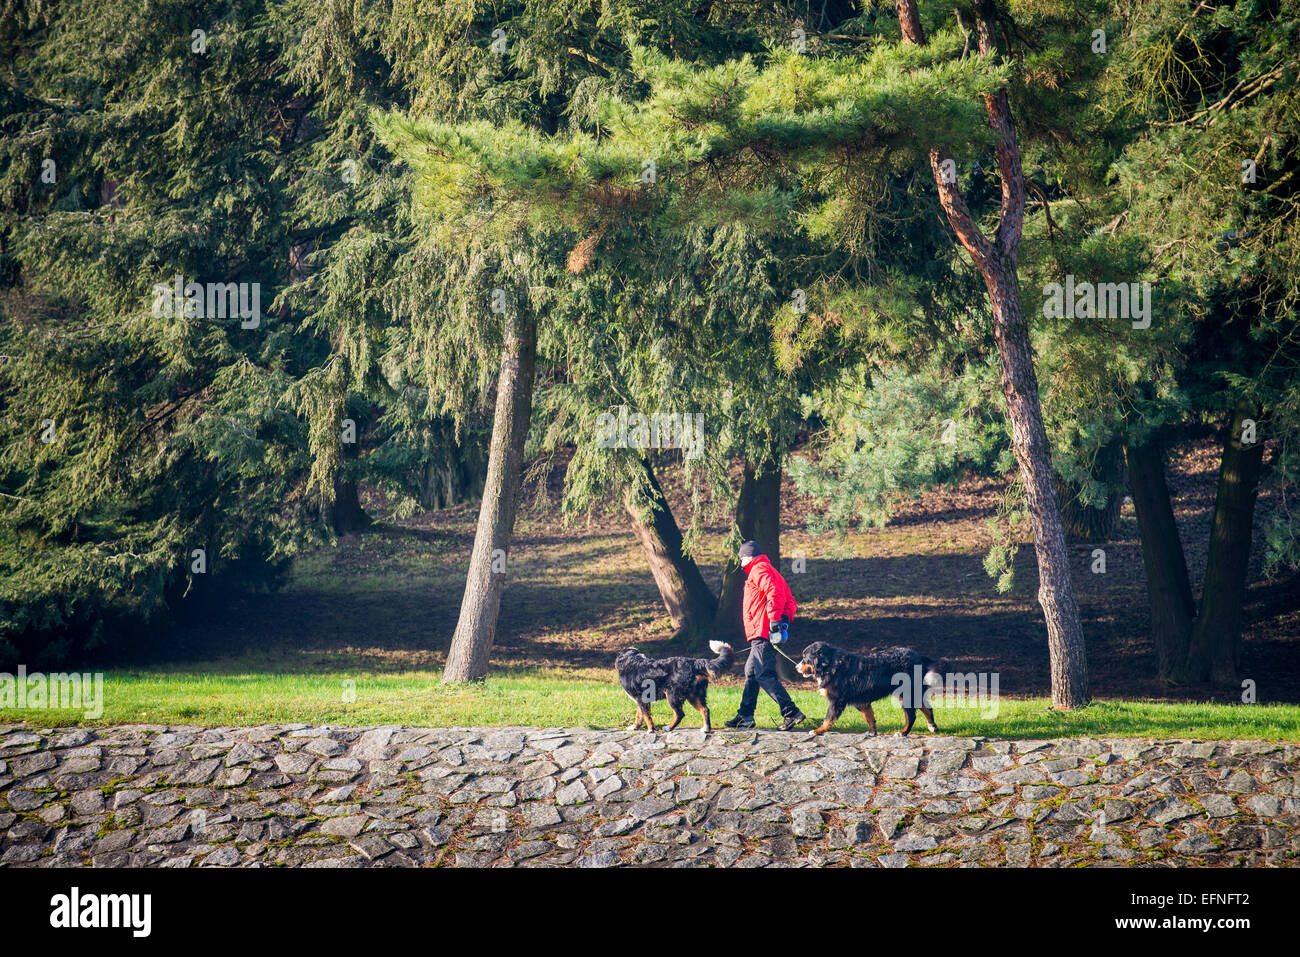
point(386, 601)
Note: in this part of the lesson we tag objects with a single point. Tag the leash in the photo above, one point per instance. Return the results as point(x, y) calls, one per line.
point(776, 648)
point(785, 656)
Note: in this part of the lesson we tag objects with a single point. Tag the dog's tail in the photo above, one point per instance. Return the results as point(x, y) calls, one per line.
point(936, 672)
point(721, 664)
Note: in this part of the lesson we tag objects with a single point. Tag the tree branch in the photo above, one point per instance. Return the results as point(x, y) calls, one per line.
point(950, 198)
point(1012, 219)
point(959, 216)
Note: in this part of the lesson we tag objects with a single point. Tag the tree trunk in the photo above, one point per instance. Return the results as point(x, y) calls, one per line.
point(996, 261)
point(347, 515)
point(453, 471)
point(1168, 586)
point(1033, 454)
point(475, 630)
point(1215, 652)
point(1088, 524)
point(687, 598)
point(758, 516)
point(909, 20)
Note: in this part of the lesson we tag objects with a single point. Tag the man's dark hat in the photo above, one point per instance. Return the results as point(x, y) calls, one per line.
point(750, 550)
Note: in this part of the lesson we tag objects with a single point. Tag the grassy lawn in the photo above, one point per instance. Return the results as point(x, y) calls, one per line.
point(540, 698)
point(360, 633)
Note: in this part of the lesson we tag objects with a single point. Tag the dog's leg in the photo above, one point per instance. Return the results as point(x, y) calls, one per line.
point(929, 718)
point(636, 722)
point(702, 706)
point(677, 713)
point(870, 716)
point(833, 709)
point(909, 715)
point(644, 715)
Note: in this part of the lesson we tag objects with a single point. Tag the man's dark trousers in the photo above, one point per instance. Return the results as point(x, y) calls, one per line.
point(760, 672)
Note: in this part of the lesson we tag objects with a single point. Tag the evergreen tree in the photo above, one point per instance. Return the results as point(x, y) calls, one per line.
point(544, 92)
point(803, 142)
point(149, 446)
point(1209, 186)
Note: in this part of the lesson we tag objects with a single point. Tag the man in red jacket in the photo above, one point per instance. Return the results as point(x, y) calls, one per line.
point(766, 606)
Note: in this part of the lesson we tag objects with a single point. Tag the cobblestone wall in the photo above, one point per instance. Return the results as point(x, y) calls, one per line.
point(299, 795)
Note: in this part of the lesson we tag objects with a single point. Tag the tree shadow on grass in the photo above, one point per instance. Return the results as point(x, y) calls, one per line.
point(386, 610)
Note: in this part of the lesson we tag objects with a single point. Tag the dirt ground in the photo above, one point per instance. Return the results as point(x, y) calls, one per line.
point(388, 599)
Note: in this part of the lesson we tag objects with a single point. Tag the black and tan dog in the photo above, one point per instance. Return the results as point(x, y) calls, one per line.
point(846, 680)
point(678, 679)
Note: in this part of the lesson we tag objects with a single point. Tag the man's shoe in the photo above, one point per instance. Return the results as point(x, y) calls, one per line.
point(794, 721)
point(739, 722)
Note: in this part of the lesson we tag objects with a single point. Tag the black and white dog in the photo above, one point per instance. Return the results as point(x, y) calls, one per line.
point(846, 680)
point(678, 679)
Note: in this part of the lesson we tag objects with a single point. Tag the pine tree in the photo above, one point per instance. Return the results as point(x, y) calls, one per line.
point(1209, 185)
point(540, 97)
point(803, 140)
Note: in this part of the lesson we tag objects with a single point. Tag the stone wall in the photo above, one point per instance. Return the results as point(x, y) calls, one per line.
point(302, 795)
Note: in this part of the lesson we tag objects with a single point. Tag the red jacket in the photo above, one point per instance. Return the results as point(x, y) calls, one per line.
point(767, 597)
